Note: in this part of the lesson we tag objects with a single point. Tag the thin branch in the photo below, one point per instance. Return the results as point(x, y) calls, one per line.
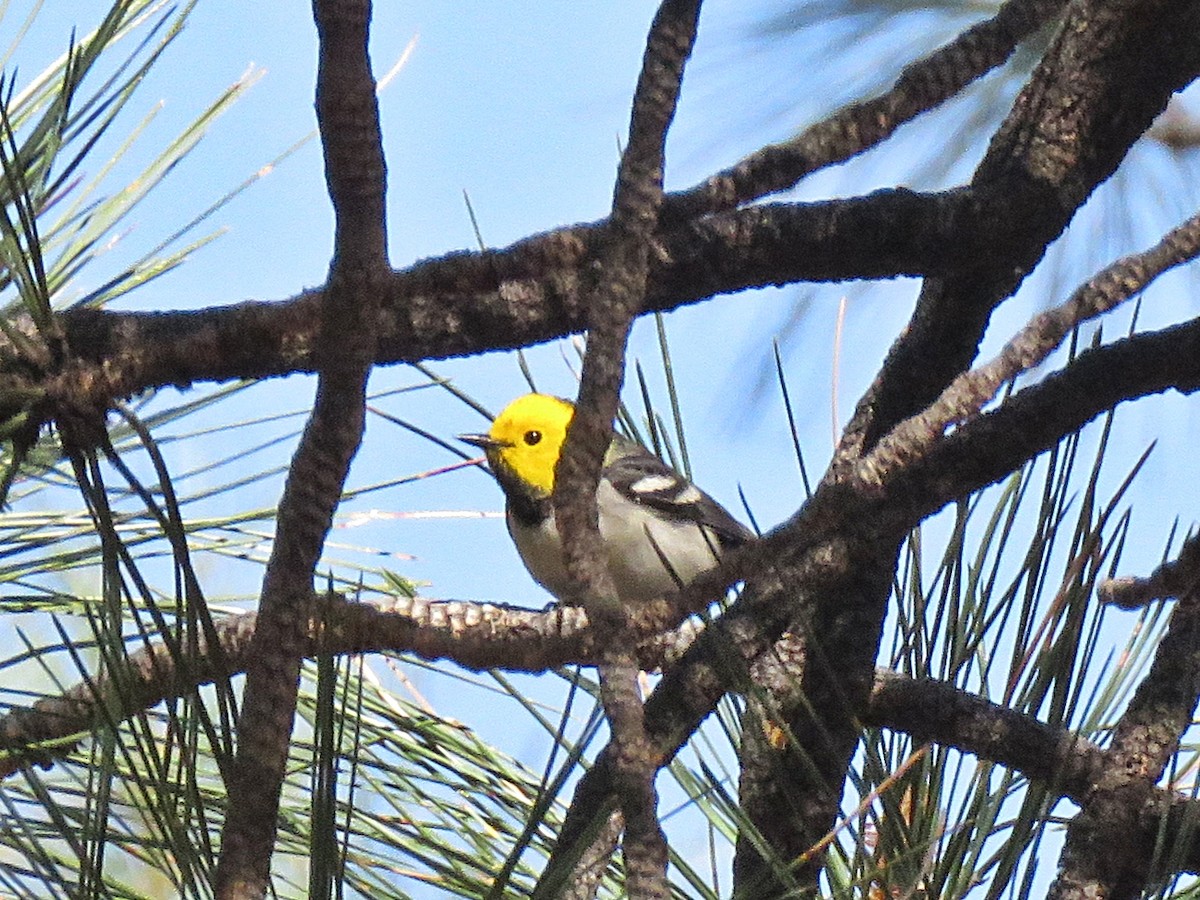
point(922, 86)
point(971, 391)
point(1108, 853)
point(481, 636)
point(1088, 100)
point(1130, 831)
point(931, 710)
point(988, 448)
point(1175, 578)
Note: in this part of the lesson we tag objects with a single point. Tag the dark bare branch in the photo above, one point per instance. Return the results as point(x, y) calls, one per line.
point(1089, 99)
point(971, 391)
point(348, 118)
point(530, 292)
point(1095, 80)
point(923, 85)
point(1172, 579)
point(617, 297)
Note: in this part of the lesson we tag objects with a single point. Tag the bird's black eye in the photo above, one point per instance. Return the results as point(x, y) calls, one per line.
point(533, 437)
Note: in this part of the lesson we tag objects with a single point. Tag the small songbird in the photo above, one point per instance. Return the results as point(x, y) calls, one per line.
point(658, 529)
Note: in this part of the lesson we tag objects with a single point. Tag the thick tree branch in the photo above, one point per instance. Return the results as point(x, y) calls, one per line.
point(767, 784)
point(618, 296)
point(530, 292)
point(480, 636)
point(471, 302)
point(1095, 75)
point(348, 118)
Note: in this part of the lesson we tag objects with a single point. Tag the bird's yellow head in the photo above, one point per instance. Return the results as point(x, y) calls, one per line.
point(524, 441)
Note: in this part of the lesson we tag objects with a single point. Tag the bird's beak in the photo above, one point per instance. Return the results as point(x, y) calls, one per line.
point(483, 441)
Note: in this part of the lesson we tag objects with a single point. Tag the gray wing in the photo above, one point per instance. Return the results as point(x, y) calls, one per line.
point(644, 478)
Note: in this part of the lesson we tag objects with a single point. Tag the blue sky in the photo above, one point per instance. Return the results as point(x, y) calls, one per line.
point(528, 126)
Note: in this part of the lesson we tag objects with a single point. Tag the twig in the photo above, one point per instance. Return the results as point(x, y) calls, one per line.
point(971, 391)
point(1094, 68)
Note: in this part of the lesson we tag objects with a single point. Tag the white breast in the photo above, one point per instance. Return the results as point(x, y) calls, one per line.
point(639, 571)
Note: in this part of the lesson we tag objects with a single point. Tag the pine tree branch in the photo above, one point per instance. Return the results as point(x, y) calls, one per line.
point(1094, 81)
point(931, 710)
point(1176, 578)
point(966, 396)
point(477, 636)
point(530, 292)
point(1109, 851)
point(618, 295)
point(922, 86)
point(1089, 99)
point(481, 636)
point(348, 119)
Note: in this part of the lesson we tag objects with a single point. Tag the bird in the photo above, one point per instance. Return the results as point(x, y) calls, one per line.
point(659, 531)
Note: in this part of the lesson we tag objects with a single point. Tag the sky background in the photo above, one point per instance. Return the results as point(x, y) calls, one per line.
point(523, 108)
point(527, 124)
